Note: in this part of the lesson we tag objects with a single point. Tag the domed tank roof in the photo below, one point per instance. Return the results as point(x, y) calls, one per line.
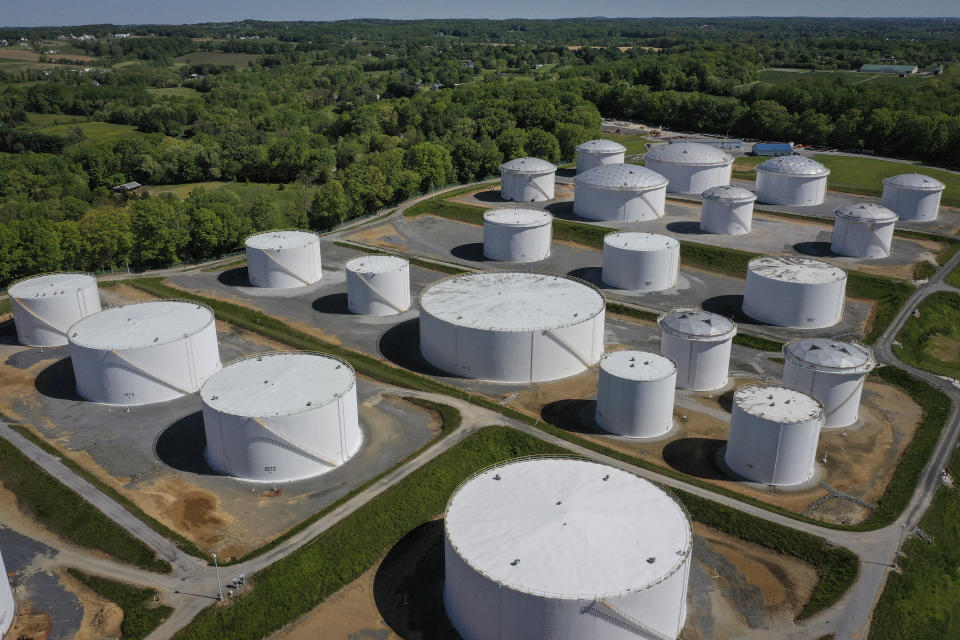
point(693, 153)
point(916, 181)
point(793, 166)
point(824, 353)
point(528, 165)
point(638, 365)
point(622, 177)
point(729, 193)
point(601, 146)
point(695, 323)
point(776, 403)
point(866, 212)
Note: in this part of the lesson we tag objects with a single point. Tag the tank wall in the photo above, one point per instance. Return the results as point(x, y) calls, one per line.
point(729, 218)
point(7, 604)
point(859, 240)
point(912, 205)
point(797, 453)
point(766, 452)
point(839, 393)
point(635, 409)
point(526, 187)
point(57, 313)
point(701, 365)
point(587, 161)
point(793, 304)
point(690, 179)
point(641, 270)
point(516, 244)
point(623, 206)
point(378, 294)
point(285, 268)
point(786, 190)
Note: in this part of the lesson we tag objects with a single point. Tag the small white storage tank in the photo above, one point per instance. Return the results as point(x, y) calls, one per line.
point(7, 604)
point(699, 342)
point(565, 548)
point(832, 371)
point(594, 153)
point(690, 167)
point(44, 307)
point(511, 327)
point(773, 435)
point(527, 180)
point(913, 196)
point(790, 291)
point(378, 285)
point(640, 261)
point(283, 259)
point(727, 210)
point(635, 394)
point(278, 417)
point(863, 230)
point(517, 235)
point(144, 352)
point(792, 180)
point(619, 192)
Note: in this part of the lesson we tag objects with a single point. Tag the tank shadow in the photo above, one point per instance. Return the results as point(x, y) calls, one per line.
point(593, 275)
point(236, 277)
point(490, 195)
point(564, 211)
point(408, 586)
point(400, 344)
point(29, 357)
point(571, 415)
point(472, 251)
point(8, 332)
point(566, 172)
point(725, 400)
point(696, 457)
point(815, 248)
point(57, 381)
point(182, 445)
point(333, 303)
point(686, 227)
point(730, 305)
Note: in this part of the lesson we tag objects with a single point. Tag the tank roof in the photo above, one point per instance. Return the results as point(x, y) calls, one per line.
point(695, 323)
point(692, 153)
point(916, 181)
point(776, 403)
point(638, 365)
point(518, 217)
point(729, 193)
point(568, 528)
point(376, 264)
point(511, 301)
point(799, 166)
point(621, 177)
point(281, 383)
point(796, 269)
point(866, 212)
point(835, 355)
point(528, 165)
point(142, 324)
point(51, 284)
point(640, 241)
point(601, 146)
point(275, 240)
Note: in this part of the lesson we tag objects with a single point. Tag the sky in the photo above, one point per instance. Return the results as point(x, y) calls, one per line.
point(71, 12)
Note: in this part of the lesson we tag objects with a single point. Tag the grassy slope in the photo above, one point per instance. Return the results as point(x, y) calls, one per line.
point(954, 278)
point(852, 174)
point(140, 617)
point(939, 316)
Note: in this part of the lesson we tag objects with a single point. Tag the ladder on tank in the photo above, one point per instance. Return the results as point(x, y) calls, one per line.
point(379, 293)
point(296, 445)
point(284, 267)
point(608, 613)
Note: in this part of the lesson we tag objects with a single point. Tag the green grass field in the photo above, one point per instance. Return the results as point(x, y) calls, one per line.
point(932, 341)
point(634, 143)
point(852, 174)
point(94, 131)
point(52, 119)
point(238, 60)
point(174, 91)
point(181, 191)
point(779, 77)
point(954, 278)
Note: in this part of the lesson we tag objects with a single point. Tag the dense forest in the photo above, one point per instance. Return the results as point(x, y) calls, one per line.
point(357, 115)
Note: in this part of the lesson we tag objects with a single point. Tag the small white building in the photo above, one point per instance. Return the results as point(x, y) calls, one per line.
point(619, 192)
point(833, 372)
point(517, 235)
point(45, 307)
point(527, 180)
point(913, 196)
point(863, 230)
point(691, 168)
point(699, 342)
point(378, 285)
point(594, 153)
point(283, 259)
point(640, 261)
point(727, 210)
point(635, 394)
point(792, 180)
point(791, 291)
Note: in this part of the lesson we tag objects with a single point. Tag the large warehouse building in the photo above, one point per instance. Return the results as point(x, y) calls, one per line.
point(619, 192)
point(792, 180)
point(594, 153)
point(378, 285)
point(283, 259)
point(790, 291)
point(913, 196)
point(699, 342)
point(635, 394)
point(44, 307)
point(690, 167)
point(517, 235)
point(833, 372)
point(565, 548)
point(527, 180)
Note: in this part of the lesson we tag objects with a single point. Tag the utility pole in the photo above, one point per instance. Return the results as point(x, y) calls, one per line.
point(896, 558)
point(219, 587)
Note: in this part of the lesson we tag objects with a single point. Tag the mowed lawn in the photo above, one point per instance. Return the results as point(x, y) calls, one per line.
point(634, 143)
point(932, 340)
point(291, 194)
point(852, 174)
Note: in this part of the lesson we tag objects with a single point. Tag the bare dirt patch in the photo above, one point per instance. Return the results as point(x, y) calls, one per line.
point(381, 235)
point(943, 348)
point(101, 618)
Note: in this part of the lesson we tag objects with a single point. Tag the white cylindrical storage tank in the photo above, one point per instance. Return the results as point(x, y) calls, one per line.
point(527, 180)
point(833, 372)
point(45, 307)
point(792, 180)
point(7, 604)
point(863, 230)
point(565, 548)
point(517, 235)
point(727, 210)
point(283, 259)
point(635, 394)
point(913, 196)
point(619, 193)
point(699, 342)
point(278, 417)
point(773, 435)
point(511, 327)
point(144, 352)
point(790, 291)
point(640, 261)
point(690, 167)
point(378, 285)
point(594, 153)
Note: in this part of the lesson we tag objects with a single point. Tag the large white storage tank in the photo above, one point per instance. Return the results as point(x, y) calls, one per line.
point(635, 394)
point(727, 210)
point(690, 167)
point(144, 352)
point(913, 196)
point(278, 417)
point(863, 230)
point(619, 193)
point(699, 342)
point(517, 235)
point(283, 259)
point(790, 291)
point(7, 604)
point(792, 180)
point(640, 261)
point(511, 327)
point(378, 285)
point(527, 180)
point(833, 372)
point(565, 548)
point(594, 153)
point(45, 307)
point(773, 435)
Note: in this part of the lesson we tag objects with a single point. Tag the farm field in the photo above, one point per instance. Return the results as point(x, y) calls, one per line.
point(784, 76)
point(237, 60)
